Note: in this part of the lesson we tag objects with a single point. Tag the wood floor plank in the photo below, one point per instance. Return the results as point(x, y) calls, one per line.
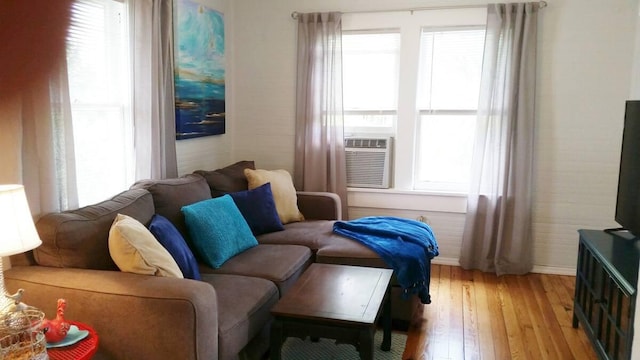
point(476, 315)
point(543, 337)
point(471, 347)
point(486, 339)
point(515, 336)
point(441, 329)
point(518, 295)
point(456, 310)
point(498, 328)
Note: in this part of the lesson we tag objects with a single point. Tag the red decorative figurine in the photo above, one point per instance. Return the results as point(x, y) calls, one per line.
point(56, 330)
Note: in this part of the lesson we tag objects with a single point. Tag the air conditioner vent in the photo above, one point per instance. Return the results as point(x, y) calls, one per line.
point(368, 162)
point(366, 143)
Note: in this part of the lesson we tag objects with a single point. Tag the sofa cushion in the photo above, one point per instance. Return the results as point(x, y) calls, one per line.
point(327, 246)
point(258, 209)
point(170, 195)
point(134, 249)
point(309, 233)
point(244, 307)
point(281, 264)
point(218, 230)
point(228, 179)
point(284, 193)
point(80, 238)
point(169, 237)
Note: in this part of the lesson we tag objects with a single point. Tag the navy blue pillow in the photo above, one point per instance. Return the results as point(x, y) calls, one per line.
point(258, 209)
point(169, 237)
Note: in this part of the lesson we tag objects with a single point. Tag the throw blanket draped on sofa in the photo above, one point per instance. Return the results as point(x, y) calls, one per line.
point(406, 245)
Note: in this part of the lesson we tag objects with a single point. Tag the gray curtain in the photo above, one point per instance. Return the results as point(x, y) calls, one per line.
point(497, 235)
point(153, 91)
point(320, 163)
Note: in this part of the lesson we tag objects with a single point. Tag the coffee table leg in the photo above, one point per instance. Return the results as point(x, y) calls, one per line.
point(386, 322)
point(366, 344)
point(276, 339)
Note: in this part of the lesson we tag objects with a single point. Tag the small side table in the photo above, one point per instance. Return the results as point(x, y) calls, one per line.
point(82, 350)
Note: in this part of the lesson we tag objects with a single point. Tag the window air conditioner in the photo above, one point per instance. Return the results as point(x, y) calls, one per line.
point(368, 162)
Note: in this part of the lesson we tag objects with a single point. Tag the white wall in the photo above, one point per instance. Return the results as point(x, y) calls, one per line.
point(585, 59)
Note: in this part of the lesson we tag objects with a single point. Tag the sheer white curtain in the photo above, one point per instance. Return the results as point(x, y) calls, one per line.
point(37, 144)
point(320, 163)
point(497, 235)
point(48, 161)
point(153, 91)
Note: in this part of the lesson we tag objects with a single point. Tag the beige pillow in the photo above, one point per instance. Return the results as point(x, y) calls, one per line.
point(284, 194)
point(134, 249)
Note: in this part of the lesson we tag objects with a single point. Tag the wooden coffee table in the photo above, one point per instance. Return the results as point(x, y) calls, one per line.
point(336, 302)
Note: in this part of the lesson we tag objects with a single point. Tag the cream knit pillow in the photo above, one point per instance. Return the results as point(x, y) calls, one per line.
point(134, 249)
point(284, 194)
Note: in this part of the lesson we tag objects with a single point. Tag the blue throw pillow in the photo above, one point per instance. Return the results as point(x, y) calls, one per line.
point(259, 209)
point(169, 237)
point(217, 229)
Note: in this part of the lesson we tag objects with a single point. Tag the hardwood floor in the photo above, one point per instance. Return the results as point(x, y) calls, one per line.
point(476, 315)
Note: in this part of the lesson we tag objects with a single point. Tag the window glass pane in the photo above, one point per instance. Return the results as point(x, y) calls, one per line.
point(97, 52)
point(445, 147)
point(450, 66)
point(370, 76)
point(98, 68)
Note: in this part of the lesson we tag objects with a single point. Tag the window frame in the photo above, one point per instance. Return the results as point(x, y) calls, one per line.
point(120, 103)
point(411, 25)
point(453, 187)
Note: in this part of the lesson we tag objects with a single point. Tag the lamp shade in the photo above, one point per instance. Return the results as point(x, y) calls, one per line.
point(17, 231)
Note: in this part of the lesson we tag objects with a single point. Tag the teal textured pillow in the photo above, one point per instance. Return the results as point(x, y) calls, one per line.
point(218, 230)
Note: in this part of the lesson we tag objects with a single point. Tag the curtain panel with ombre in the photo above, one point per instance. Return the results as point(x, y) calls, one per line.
point(320, 163)
point(497, 234)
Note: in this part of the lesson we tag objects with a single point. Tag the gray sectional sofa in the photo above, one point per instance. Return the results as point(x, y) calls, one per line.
point(226, 315)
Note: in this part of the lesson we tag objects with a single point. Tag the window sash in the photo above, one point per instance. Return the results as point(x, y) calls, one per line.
point(366, 96)
point(445, 128)
point(99, 88)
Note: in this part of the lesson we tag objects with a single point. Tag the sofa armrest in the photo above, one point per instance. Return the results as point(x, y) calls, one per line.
point(135, 316)
point(319, 205)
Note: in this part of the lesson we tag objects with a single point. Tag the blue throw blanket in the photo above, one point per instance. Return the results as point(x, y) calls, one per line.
point(405, 245)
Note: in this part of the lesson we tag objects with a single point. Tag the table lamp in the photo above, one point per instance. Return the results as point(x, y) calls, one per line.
point(17, 233)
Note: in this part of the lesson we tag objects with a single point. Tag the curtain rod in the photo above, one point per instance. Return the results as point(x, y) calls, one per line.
point(294, 15)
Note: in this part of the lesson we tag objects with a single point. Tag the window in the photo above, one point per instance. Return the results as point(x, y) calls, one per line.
point(99, 83)
point(448, 88)
point(370, 80)
point(419, 83)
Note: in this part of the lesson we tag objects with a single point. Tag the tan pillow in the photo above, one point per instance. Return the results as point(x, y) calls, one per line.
point(134, 249)
point(284, 194)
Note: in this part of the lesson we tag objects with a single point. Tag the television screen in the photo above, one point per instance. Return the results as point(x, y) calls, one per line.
point(628, 201)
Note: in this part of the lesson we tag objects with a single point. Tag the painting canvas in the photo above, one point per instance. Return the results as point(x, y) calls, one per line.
point(199, 70)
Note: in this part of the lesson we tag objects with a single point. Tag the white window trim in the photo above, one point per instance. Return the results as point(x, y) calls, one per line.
point(394, 199)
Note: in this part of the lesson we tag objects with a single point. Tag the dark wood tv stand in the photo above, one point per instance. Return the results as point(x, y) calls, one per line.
point(606, 289)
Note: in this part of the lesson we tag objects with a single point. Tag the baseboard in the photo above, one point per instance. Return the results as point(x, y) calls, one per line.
point(445, 261)
point(554, 270)
point(539, 269)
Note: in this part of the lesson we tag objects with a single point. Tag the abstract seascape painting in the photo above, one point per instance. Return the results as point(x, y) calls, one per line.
point(199, 70)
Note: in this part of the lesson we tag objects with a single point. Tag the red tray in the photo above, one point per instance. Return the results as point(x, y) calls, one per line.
point(82, 350)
